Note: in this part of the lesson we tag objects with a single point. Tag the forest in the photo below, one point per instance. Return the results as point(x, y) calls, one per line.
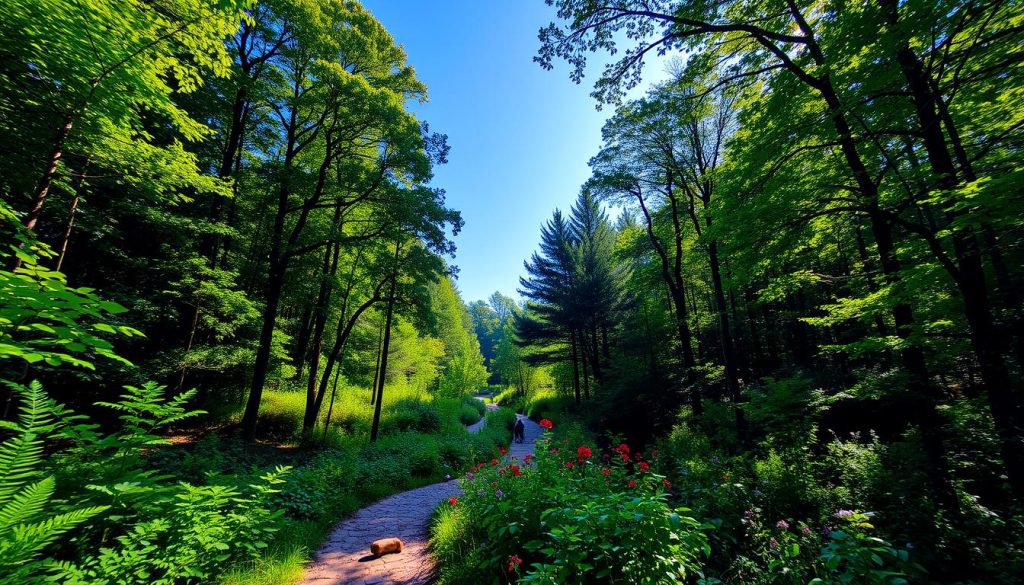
point(777, 337)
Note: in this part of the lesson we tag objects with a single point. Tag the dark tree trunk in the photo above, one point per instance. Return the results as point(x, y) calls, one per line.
point(382, 375)
point(575, 367)
point(52, 163)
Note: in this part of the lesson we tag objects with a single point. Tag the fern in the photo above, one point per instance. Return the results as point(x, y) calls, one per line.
point(24, 529)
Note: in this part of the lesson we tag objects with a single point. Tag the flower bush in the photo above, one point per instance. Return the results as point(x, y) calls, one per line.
point(566, 516)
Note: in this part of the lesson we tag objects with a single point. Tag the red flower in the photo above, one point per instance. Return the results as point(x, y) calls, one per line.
point(569, 465)
point(666, 483)
point(494, 462)
point(515, 471)
point(453, 501)
point(503, 450)
point(546, 424)
point(644, 467)
point(625, 458)
point(494, 484)
point(622, 448)
point(632, 483)
point(553, 450)
point(528, 458)
point(513, 563)
point(606, 471)
point(654, 452)
point(584, 453)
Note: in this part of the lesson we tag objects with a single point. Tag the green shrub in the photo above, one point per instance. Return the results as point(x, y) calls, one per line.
point(566, 518)
point(469, 415)
point(412, 415)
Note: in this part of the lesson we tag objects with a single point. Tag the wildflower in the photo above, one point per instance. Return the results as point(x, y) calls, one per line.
point(843, 513)
point(569, 465)
point(453, 501)
point(494, 484)
point(584, 453)
point(503, 450)
point(774, 543)
point(622, 448)
point(513, 563)
point(469, 476)
point(481, 493)
point(502, 471)
point(494, 462)
point(606, 471)
point(447, 477)
point(499, 494)
point(666, 483)
point(782, 525)
point(806, 530)
point(515, 471)
point(758, 493)
point(644, 467)
point(528, 458)
point(546, 424)
point(625, 458)
point(725, 477)
point(553, 450)
point(632, 483)
point(715, 459)
point(748, 513)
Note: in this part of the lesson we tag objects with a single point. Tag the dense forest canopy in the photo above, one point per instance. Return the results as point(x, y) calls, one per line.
point(793, 278)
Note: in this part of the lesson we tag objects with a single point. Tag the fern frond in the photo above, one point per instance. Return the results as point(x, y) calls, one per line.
point(27, 503)
point(21, 542)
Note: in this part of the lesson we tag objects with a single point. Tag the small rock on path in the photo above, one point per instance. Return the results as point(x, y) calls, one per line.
point(345, 558)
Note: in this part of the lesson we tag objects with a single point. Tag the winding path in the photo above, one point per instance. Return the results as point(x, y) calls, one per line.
point(345, 558)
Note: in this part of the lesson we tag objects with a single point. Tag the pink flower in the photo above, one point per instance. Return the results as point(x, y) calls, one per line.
point(453, 501)
point(513, 563)
point(782, 525)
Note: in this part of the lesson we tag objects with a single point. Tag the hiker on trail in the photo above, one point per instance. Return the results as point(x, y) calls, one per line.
point(519, 433)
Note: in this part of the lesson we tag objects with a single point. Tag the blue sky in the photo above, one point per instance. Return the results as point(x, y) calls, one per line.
point(520, 136)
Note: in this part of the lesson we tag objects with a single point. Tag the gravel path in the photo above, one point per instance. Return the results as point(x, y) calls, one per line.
point(345, 558)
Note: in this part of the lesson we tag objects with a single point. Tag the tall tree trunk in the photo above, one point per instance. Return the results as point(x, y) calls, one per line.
point(52, 163)
point(262, 361)
point(677, 295)
point(376, 366)
point(300, 353)
point(575, 366)
point(334, 393)
point(583, 360)
point(382, 376)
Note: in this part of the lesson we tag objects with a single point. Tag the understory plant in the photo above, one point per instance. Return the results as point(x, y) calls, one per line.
point(132, 524)
point(567, 515)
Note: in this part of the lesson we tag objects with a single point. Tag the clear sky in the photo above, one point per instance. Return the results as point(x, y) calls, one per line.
point(520, 136)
